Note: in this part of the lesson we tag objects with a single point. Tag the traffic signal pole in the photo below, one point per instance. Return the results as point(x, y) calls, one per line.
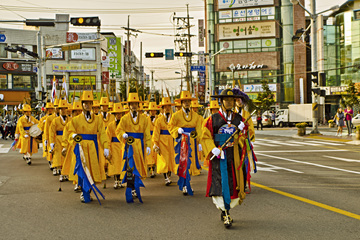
point(128, 58)
point(189, 78)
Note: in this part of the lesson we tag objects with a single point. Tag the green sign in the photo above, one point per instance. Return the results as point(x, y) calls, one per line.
point(114, 54)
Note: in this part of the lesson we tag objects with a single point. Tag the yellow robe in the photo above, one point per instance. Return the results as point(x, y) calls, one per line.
point(46, 136)
point(79, 125)
point(27, 146)
point(69, 160)
point(41, 126)
point(57, 125)
point(166, 161)
point(116, 150)
point(109, 118)
point(245, 115)
point(179, 120)
point(151, 159)
point(141, 125)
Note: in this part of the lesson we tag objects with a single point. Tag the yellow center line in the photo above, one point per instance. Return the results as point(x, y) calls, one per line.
point(321, 205)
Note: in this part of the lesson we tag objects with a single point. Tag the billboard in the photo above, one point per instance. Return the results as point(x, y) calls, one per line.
point(223, 4)
point(114, 54)
point(247, 30)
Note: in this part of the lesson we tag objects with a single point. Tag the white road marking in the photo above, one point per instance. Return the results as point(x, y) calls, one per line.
point(343, 159)
point(306, 143)
point(308, 163)
point(264, 144)
point(275, 167)
point(280, 143)
point(293, 151)
point(326, 143)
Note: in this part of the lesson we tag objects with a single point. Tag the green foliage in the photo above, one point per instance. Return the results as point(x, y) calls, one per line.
point(266, 98)
point(141, 90)
point(358, 128)
point(351, 96)
point(301, 125)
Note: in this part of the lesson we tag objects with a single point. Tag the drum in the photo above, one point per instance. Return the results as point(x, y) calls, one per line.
point(35, 131)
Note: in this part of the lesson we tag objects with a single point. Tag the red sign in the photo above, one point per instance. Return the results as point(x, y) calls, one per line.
point(105, 77)
point(10, 66)
point(71, 37)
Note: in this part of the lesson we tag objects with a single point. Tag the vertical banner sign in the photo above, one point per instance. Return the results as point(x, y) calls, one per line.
point(201, 57)
point(114, 54)
point(201, 33)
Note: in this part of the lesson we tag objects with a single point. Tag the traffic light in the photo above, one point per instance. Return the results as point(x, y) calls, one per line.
point(43, 95)
point(183, 54)
point(315, 77)
point(154, 55)
point(40, 22)
point(322, 79)
point(322, 93)
point(86, 21)
point(316, 91)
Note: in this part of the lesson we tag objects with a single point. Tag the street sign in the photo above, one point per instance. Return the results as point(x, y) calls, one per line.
point(198, 68)
point(71, 47)
point(2, 38)
point(169, 54)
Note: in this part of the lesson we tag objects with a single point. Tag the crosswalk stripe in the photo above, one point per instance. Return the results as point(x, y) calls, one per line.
point(327, 143)
point(264, 144)
point(305, 143)
point(280, 143)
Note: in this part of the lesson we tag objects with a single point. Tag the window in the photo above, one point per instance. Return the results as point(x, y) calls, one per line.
point(251, 45)
point(3, 52)
point(24, 81)
point(83, 54)
point(3, 81)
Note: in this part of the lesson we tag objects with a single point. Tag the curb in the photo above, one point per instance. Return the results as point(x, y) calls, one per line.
point(329, 138)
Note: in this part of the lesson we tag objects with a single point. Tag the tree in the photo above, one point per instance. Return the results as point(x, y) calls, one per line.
point(266, 97)
point(140, 89)
point(351, 96)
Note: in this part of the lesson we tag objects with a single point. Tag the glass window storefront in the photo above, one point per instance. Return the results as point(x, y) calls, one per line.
point(3, 81)
point(3, 52)
point(251, 45)
point(246, 77)
point(24, 81)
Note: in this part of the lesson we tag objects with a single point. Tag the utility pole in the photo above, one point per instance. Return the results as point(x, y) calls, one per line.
point(152, 82)
point(128, 57)
point(189, 50)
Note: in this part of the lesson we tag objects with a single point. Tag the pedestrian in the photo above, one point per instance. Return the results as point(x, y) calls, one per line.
point(259, 120)
point(151, 159)
point(340, 121)
point(135, 130)
point(225, 177)
point(185, 127)
point(28, 144)
point(164, 143)
point(348, 117)
point(273, 117)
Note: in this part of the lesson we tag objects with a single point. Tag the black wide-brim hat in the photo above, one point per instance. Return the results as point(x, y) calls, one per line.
point(226, 93)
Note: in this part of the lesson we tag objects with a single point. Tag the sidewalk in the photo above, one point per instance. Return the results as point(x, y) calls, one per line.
point(326, 133)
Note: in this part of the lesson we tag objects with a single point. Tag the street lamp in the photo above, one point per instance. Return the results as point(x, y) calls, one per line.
point(313, 16)
point(181, 79)
point(211, 83)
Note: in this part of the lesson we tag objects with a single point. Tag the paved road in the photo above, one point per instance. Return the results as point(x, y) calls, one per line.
point(304, 189)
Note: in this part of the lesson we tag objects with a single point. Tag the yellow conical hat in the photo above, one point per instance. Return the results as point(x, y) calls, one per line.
point(195, 103)
point(56, 102)
point(104, 101)
point(49, 105)
point(63, 104)
point(133, 97)
point(166, 101)
point(96, 103)
point(213, 104)
point(118, 108)
point(26, 108)
point(185, 95)
point(152, 106)
point(87, 96)
point(177, 102)
point(77, 106)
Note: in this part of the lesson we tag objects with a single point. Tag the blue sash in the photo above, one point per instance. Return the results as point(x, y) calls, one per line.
point(221, 138)
point(59, 133)
point(92, 137)
point(164, 132)
point(31, 139)
point(189, 130)
point(151, 133)
point(114, 139)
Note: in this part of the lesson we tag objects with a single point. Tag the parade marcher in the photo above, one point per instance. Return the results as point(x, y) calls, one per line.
point(164, 142)
point(46, 136)
point(151, 158)
point(55, 138)
point(195, 107)
point(107, 118)
point(135, 126)
point(28, 144)
point(177, 104)
point(225, 177)
point(240, 108)
point(87, 127)
point(116, 147)
point(68, 145)
point(214, 108)
point(49, 107)
point(96, 107)
point(185, 127)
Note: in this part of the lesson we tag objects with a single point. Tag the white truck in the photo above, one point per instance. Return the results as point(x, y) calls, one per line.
point(296, 113)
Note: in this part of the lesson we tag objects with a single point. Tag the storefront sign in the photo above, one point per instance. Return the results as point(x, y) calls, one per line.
point(338, 90)
point(83, 54)
point(247, 30)
point(114, 54)
point(10, 66)
point(258, 88)
point(201, 32)
point(105, 61)
point(54, 53)
point(243, 3)
point(16, 67)
point(224, 14)
point(79, 37)
point(74, 67)
point(253, 96)
point(80, 82)
point(250, 66)
point(105, 77)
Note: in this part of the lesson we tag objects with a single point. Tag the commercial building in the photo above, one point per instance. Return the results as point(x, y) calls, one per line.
point(257, 36)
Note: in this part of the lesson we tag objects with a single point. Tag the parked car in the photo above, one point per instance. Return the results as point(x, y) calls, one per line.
point(356, 121)
point(266, 120)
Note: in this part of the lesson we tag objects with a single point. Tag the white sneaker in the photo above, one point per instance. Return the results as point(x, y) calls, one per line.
point(61, 178)
point(54, 172)
point(167, 182)
point(133, 192)
point(185, 192)
point(77, 188)
point(28, 161)
point(116, 184)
